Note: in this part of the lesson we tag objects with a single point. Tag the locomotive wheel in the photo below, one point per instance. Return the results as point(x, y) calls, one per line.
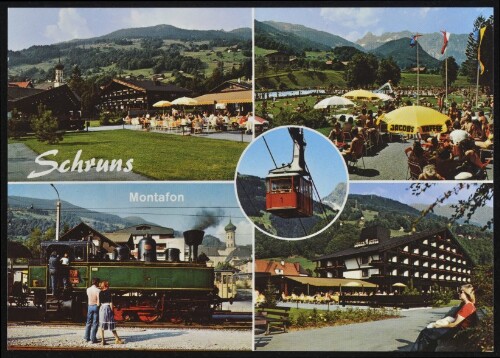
point(149, 317)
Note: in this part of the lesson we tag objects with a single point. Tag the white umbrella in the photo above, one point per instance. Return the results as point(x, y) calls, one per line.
point(399, 284)
point(185, 101)
point(385, 97)
point(334, 101)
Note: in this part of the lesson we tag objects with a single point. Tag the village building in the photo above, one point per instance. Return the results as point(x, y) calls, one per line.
point(137, 96)
point(236, 96)
point(163, 236)
point(236, 256)
point(56, 97)
point(421, 260)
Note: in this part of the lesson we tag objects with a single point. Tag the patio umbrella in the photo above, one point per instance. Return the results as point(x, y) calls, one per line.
point(399, 284)
point(361, 94)
point(384, 97)
point(334, 101)
point(415, 119)
point(185, 101)
point(352, 284)
point(162, 104)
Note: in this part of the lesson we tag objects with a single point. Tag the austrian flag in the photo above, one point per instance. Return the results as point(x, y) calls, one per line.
point(446, 38)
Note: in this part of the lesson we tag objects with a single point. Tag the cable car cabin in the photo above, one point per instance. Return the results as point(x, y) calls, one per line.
point(289, 196)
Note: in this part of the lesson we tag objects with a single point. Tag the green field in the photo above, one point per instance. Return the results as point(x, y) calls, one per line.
point(301, 79)
point(156, 155)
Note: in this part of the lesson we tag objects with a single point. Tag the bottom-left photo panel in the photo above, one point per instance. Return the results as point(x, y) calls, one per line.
point(134, 266)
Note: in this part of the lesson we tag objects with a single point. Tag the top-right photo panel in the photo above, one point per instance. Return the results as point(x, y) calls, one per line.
point(404, 93)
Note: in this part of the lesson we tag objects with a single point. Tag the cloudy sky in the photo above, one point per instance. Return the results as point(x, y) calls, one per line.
point(52, 25)
point(354, 23)
point(218, 199)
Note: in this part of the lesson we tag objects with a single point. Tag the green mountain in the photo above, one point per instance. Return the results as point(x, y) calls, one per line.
point(252, 196)
point(169, 32)
point(480, 217)
point(431, 43)
point(404, 55)
point(23, 214)
point(321, 37)
point(271, 38)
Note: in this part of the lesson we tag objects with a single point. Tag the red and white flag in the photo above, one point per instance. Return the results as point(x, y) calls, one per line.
point(446, 38)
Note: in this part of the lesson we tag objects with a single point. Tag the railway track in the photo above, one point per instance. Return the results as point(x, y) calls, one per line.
point(220, 321)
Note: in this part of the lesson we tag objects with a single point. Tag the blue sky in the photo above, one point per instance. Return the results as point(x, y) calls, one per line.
point(325, 163)
point(354, 23)
point(401, 192)
point(43, 26)
point(113, 198)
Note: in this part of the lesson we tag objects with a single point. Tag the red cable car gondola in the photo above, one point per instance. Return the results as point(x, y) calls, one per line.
point(288, 191)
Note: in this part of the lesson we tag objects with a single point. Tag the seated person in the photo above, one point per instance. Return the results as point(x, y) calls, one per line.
point(445, 165)
point(417, 155)
point(469, 156)
point(458, 134)
point(429, 173)
point(428, 338)
point(355, 150)
point(488, 143)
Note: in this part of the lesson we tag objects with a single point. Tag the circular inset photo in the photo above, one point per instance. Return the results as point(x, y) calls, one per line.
point(292, 182)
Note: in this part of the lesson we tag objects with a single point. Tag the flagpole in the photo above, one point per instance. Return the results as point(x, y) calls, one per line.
point(418, 73)
point(477, 83)
point(446, 69)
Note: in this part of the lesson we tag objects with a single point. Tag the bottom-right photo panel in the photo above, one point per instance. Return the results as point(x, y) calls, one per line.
point(405, 268)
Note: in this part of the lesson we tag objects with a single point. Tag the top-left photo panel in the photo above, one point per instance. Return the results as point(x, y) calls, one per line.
point(128, 94)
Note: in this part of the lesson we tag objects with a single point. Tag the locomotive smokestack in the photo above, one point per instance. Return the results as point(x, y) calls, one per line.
point(193, 239)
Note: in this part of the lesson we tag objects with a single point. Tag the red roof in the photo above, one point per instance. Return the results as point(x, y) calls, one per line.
point(277, 268)
point(25, 84)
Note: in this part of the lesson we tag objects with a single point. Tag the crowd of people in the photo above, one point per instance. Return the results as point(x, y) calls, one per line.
point(192, 122)
point(456, 153)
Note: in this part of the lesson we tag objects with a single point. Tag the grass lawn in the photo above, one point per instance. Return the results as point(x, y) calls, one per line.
point(156, 155)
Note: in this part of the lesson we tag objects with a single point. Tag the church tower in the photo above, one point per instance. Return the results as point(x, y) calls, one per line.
point(230, 235)
point(59, 80)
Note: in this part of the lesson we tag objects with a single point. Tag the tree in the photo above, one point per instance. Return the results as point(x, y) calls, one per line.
point(45, 126)
point(388, 70)
point(35, 238)
point(464, 208)
point(361, 70)
point(452, 70)
point(470, 65)
point(76, 82)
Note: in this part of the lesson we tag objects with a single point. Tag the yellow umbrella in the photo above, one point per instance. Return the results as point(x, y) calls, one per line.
point(415, 119)
point(162, 104)
point(361, 94)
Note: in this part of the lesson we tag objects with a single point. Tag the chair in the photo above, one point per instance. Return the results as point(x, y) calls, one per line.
point(414, 169)
point(484, 165)
point(408, 152)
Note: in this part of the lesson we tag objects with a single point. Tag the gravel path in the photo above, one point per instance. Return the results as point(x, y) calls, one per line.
point(71, 337)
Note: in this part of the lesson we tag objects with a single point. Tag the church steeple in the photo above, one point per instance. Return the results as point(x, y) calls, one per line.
point(230, 235)
point(59, 80)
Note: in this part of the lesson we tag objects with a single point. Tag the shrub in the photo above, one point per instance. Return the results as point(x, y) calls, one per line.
point(479, 338)
point(17, 125)
point(46, 127)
